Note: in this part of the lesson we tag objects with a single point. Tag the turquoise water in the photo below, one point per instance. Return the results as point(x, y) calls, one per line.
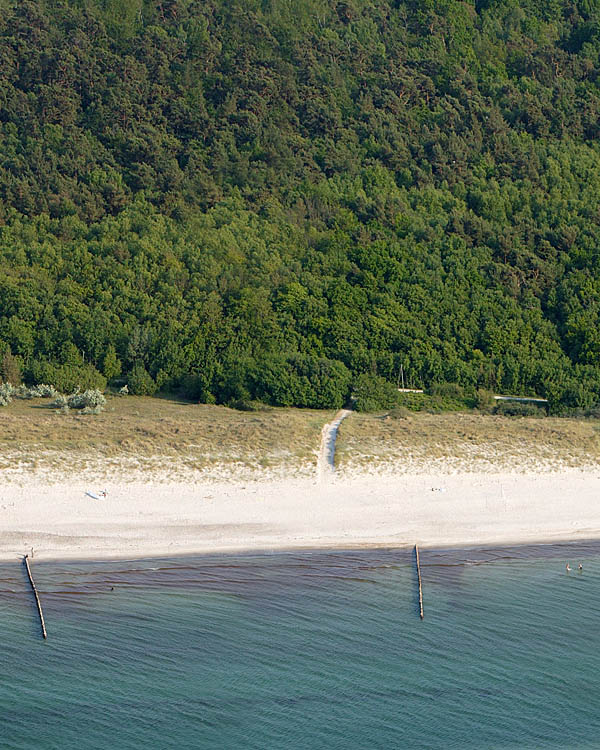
point(311, 650)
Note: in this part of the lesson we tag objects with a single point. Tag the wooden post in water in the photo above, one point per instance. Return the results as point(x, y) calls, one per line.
point(420, 584)
point(37, 596)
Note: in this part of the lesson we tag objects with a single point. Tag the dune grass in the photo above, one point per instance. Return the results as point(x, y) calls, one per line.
point(173, 437)
point(141, 427)
point(465, 441)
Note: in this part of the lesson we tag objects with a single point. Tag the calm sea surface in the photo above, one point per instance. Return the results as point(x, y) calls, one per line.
point(305, 651)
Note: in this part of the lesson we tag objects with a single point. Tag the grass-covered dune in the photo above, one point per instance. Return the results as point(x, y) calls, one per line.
point(461, 442)
point(154, 440)
point(164, 437)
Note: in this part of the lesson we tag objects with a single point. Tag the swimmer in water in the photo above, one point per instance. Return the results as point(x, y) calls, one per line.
point(568, 567)
point(580, 568)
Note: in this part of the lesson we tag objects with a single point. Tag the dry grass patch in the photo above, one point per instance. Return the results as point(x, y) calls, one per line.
point(158, 431)
point(465, 442)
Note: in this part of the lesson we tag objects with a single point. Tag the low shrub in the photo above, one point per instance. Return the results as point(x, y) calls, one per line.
point(249, 405)
point(9, 391)
point(452, 391)
point(431, 404)
point(400, 412)
point(91, 401)
point(374, 393)
point(519, 409)
point(6, 393)
point(11, 368)
point(66, 378)
point(484, 400)
point(91, 410)
point(194, 387)
point(44, 391)
point(36, 391)
point(140, 382)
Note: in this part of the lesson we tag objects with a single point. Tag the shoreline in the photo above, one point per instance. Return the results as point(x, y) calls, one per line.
point(339, 549)
point(143, 520)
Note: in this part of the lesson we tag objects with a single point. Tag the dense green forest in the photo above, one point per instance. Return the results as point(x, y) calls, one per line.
point(282, 199)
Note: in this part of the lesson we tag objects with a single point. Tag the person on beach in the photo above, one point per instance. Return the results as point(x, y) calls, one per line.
point(568, 567)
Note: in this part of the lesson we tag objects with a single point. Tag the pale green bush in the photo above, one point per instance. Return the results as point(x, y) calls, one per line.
point(6, 393)
point(90, 399)
point(9, 391)
point(91, 410)
point(36, 391)
point(44, 391)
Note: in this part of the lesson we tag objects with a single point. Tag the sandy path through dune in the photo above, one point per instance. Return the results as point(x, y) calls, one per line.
point(326, 465)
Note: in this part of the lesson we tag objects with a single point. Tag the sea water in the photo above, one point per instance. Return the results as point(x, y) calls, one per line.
point(305, 651)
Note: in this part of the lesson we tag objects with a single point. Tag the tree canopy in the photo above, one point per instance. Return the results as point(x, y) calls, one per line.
point(268, 199)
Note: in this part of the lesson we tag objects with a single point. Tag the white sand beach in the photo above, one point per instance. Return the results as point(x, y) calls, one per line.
point(147, 517)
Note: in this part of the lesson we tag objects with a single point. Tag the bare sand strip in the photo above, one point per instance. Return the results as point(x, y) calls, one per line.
point(326, 459)
point(143, 519)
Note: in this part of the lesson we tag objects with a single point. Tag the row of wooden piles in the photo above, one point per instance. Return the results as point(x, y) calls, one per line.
point(37, 596)
point(420, 582)
point(43, 624)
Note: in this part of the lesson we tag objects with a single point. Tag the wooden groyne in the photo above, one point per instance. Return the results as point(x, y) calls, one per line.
point(420, 582)
point(37, 596)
